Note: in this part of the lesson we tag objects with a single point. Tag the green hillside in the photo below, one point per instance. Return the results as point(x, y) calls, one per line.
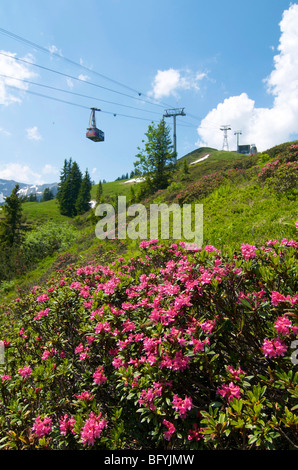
point(237, 208)
point(123, 344)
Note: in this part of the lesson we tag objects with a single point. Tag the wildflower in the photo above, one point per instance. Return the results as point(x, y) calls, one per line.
point(42, 313)
point(42, 426)
point(25, 371)
point(229, 391)
point(235, 373)
point(85, 396)
point(66, 424)
point(283, 325)
point(171, 429)
point(93, 428)
point(182, 406)
point(42, 298)
point(273, 348)
point(194, 434)
point(5, 377)
point(276, 298)
point(99, 376)
point(248, 251)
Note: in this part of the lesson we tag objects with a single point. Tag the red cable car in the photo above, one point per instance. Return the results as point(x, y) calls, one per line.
point(92, 132)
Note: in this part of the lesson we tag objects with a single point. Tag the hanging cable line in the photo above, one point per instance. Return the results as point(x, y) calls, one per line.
point(76, 94)
point(77, 104)
point(56, 54)
point(60, 56)
point(75, 78)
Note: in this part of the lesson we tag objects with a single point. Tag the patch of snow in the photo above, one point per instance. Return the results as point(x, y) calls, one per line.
point(134, 180)
point(200, 159)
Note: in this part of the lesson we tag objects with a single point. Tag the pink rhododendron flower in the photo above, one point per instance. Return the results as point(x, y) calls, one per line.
point(98, 376)
point(5, 378)
point(273, 348)
point(42, 426)
point(248, 251)
point(42, 298)
point(229, 391)
point(182, 406)
point(235, 373)
point(85, 396)
point(283, 325)
point(93, 428)
point(194, 434)
point(42, 313)
point(25, 371)
point(66, 425)
point(171, 429)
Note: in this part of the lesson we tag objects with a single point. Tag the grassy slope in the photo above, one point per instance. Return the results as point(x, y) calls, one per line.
point(236, 213)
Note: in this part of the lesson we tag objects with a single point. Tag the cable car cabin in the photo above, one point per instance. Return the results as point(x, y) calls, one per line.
point(92, 132)
point(95, 134)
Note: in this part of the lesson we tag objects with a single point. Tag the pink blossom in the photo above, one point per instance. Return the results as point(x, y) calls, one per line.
point(42, 426)
point(283, 325)
point(66, 424)
point(171, 429)
point(98, 376)
point(229, 391)
point(273, 348)
point(276, 298)
point(93, 428)
point(248, 251)
point(235, 373)
point(42, 313)
point(182, 406)
point(42, 298)
point(5, 377)
point(25, 371)
point(194, 434)
point(85, 396)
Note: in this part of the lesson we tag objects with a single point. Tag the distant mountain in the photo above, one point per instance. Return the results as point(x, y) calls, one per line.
point(6, 187)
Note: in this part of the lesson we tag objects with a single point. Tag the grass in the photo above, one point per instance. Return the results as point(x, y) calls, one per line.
point(239, 211)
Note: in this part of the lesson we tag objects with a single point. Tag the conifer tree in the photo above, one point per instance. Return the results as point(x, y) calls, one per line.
point(84, 196)
point(70, 191)
point(11, 224)
point(99, 191)
point(63, 176)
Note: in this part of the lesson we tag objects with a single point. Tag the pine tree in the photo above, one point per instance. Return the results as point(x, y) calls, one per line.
point(84, 196)
point(63, 176)
point(70, 191)
point(47, 195)
point(11, 225)
point(99, 192)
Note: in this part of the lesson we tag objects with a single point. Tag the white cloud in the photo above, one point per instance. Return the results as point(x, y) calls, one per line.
point(19, 71)
point(4, 132)
point(20, 173)
point(50, 170)
point(82, 77)
point(168, 82)
point(33, 133)
point(54, 50)
point(264, 127)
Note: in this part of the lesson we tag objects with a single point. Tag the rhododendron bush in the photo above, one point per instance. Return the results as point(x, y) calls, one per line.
point(172, 349)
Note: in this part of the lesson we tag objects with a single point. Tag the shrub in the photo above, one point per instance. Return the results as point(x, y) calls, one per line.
point(171, 349)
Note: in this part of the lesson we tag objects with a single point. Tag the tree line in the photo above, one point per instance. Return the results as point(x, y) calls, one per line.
point(74, 190)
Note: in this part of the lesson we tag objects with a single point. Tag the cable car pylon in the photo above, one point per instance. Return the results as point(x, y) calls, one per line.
point(93, 133)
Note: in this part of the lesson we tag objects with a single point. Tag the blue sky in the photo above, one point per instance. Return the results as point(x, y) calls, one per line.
point(232, 62)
